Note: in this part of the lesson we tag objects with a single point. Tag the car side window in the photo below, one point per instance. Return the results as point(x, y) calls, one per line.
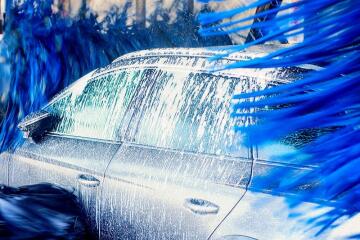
point(95, 108)
point(188, 111)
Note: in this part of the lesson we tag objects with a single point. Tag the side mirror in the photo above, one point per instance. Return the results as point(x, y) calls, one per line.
point(35, 125)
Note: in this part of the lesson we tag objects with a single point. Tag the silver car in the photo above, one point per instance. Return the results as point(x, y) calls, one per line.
point(147, 143)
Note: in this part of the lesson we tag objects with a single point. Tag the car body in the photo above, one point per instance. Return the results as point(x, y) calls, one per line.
point(147, 143)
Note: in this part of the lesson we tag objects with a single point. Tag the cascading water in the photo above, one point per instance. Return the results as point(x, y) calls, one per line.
point(170, 99)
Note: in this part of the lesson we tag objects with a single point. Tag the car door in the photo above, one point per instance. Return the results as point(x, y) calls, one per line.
point(76, 152)
point(4, 166)
point(181, 168)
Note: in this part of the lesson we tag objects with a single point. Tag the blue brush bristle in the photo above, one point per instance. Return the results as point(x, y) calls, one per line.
point(328, 99)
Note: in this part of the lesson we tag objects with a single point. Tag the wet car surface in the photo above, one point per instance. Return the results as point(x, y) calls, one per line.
point(147, 143)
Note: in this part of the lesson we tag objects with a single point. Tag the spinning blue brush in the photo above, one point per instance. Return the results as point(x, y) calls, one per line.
point(326, 101)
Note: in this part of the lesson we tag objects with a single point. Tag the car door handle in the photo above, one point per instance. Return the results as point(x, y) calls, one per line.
point(200, 206)
point(88, 180)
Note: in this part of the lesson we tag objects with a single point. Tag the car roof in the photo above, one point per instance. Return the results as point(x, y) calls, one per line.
point(208, 52)
point(254, 51)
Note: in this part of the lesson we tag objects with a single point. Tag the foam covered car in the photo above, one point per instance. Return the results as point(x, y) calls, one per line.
point(148, 145)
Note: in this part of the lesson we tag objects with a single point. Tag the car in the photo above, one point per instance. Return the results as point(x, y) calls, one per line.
point(147, 144)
